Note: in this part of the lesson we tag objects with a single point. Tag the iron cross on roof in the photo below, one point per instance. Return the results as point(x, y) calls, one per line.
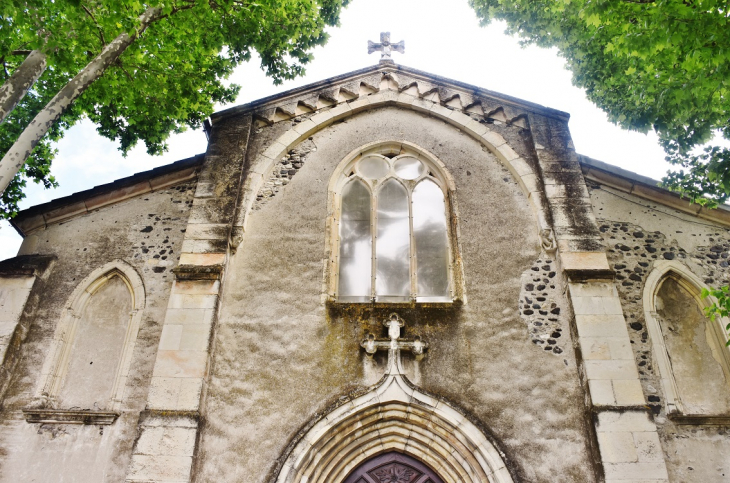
point(385, 47)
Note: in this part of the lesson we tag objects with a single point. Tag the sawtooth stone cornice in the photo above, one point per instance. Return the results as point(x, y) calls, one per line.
point(481, 104)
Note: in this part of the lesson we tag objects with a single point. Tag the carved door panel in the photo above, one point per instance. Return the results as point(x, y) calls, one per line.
point(393, 468)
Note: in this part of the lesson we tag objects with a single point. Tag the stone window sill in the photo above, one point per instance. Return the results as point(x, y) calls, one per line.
point(444, 304)
point(70, 416)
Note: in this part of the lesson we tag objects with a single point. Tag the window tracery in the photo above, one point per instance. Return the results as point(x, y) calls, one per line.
point(393, 228)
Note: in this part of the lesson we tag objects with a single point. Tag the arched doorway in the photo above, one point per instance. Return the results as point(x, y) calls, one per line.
point(393, 467)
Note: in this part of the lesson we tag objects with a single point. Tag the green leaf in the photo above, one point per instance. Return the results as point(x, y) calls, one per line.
point(166, 81)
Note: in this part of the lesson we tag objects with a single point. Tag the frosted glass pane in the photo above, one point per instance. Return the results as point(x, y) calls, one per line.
point(355, 244)
point(432, 247)
point(408, 168)
point(372, 167)
point(392, 245)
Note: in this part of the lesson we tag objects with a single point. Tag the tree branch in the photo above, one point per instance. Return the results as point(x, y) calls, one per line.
point(16, 157)
point(101, 33)
point(17, 85)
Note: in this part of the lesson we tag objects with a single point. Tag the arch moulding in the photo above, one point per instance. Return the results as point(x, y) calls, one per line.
point(394, 416)
point(662, 270)
point(55, 367)
point(528, 179)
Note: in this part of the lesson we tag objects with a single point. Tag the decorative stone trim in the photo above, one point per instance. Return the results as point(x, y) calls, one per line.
point(70, 416)
point(523, 172)
point(448, 93)
point(394, 415)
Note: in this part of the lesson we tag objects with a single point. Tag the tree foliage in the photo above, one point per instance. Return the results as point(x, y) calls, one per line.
point(649, 64)
point(168, 80)
point(721, 308)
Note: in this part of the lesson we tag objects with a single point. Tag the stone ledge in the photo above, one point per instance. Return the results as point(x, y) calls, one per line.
point(169, 417)
point(701, 419)
point(586, 266)
point(70, 416)
point(26, 265)
point(196, 272)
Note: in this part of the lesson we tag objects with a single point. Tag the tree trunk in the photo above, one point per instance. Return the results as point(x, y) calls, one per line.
point(39, 126)
point(15, 88)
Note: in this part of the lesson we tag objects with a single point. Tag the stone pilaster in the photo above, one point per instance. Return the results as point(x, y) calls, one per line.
point(169, 428)
point(627, 436)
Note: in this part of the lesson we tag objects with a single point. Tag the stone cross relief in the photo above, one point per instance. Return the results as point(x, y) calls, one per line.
point(394, 344)
point(385, 47)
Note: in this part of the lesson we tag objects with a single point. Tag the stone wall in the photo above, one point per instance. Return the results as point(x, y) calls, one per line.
point(282, 355)
point(146, 232)
point(547, 357)
point(639, 235)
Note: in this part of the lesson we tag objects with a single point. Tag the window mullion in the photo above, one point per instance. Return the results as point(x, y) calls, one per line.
point(413, 260)
point(374, 238)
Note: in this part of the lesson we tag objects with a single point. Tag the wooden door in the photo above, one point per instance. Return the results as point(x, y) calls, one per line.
point(393, 467)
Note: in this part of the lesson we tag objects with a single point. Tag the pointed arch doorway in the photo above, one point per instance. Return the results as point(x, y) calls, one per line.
point(393, 467)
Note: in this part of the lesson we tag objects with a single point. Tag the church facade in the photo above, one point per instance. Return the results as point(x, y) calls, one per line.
point(386, 276)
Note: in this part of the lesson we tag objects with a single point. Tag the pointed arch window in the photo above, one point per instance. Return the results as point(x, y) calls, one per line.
point(393, 230)
point(88, 365)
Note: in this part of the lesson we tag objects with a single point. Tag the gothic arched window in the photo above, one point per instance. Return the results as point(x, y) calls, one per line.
point(393, 231)
point(90, 359)
point(690, 351)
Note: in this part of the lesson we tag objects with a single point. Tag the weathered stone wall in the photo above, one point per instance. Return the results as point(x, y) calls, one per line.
point(639, 233)
point(14, 292)
point(146, 232)
point(282, 356)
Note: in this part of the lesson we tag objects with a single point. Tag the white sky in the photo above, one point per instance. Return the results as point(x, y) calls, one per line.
point(442, 38)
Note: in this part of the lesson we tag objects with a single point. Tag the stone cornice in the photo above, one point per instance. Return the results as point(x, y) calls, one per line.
point(303, 94)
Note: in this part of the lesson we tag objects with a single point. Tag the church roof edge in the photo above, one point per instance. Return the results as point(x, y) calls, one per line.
point(390, 67)
point(648, 189)
point(66, 207)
